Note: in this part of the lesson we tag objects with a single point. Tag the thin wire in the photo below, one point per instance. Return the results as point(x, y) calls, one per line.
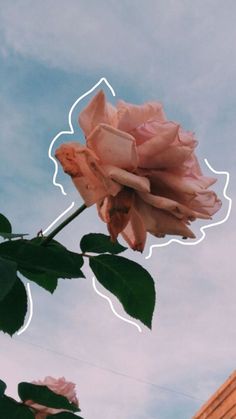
point(112, 371)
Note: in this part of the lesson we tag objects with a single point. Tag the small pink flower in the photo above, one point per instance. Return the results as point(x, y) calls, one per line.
point(59, 386)
point(140, 169)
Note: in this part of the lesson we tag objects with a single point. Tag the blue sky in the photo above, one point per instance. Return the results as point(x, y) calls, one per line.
point(181, 53)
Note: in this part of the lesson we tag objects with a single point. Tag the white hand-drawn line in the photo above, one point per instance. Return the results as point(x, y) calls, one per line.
point(29, 294)
point(31, 311)
point(58, 218)
point(203, 227)
point(71, 132)
point(112, 307)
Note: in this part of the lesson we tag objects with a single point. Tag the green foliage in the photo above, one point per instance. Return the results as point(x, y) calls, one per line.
point(46, 280)
point(129, 282)
point(13, 308)
point(10, 409)
point(52, 259)
point(7, 276)
point(5, 225)
point(44, 396)
point(6, 229)
point(3, 387)
point(10, 236)
point(100, 243)
point(43, 264)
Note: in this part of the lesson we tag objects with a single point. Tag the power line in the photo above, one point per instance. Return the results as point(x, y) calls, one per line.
point(112, 371)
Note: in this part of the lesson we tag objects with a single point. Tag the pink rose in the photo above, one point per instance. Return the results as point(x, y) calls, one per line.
point(59, 386)
point(140, 169)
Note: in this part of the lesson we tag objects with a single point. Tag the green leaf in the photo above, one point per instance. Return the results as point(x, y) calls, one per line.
point(3, 387)
point(51, 259)
point(13, 308)
point(39, 240)
point(100, 243)
point(129, 282)
point(44, 396)
point(44, 279)
point(11, 409)
point(7, 276)
point(64, 415)
point(10, 236)
point(5, 225)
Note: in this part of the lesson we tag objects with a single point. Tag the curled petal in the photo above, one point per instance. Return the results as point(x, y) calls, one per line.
point(66, 155)
point(151, 128)
point(193, 166)
point(59, 386)
point(87, 173)
point(206, 202)
point(171, 157)
point(189, 168)
point(206, 181)
point(96, 112)
point(163, 138)
point(131, 116)
point(139, 183)
point(135, 232)
point(175, 208)
point(92, 193)
point(103, 207)
point(179, 184)
point(117, 212)
point(186, 138)
point(159, 222)
point(42, 411)
point(113, 146)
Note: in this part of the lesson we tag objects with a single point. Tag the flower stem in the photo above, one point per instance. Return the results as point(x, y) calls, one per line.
point(64, 223)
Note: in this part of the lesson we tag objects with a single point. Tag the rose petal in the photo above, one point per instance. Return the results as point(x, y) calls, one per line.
point(43, 411)
point(96, 112)
point(113, 147)
point(174, 156)
point(59, 386)
point(93, 193)
point(186, 138)
point(194, 166)
point(179, 184)
point(206, 202)
point(104, 207)
point(161, 141)
point(118, 212)
point(175, 208)
point(135, 232)
point(66, 155)
point(159, 222)
point(41, 415)
point(87, 173)
point(150, 129)
point(125, 178)
point(206, 181)
point(131, 116)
